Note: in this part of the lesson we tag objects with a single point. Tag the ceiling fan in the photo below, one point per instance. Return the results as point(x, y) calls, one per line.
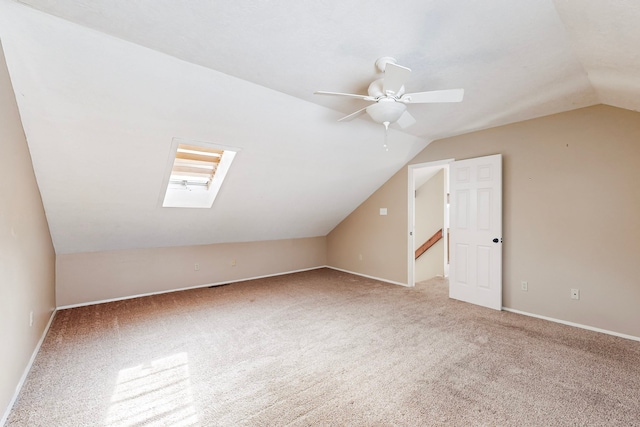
point(389, 98)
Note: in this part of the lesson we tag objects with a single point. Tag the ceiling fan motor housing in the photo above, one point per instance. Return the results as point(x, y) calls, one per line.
point(376, 89)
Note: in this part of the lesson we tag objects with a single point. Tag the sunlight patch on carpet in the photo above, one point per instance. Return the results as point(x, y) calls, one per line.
point(154, 394)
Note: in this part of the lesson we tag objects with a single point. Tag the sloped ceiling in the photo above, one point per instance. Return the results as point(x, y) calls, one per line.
point(104, 85)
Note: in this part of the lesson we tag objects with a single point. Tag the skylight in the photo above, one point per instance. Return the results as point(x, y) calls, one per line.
point(196, 175)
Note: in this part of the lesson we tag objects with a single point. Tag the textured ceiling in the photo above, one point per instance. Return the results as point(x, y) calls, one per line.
point(104, 85)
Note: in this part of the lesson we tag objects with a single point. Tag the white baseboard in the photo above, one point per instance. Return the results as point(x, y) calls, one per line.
point(207, 285)
point(368, 277)
point(3, 420)
point(576, 325)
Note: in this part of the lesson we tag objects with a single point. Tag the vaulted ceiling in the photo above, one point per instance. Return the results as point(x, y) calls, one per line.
point(103, 87)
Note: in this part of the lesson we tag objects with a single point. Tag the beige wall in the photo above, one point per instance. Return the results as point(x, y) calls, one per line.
point(570, 216)
point(96, 276)
point(27, 258)
point(368, 243)
point(429, 218)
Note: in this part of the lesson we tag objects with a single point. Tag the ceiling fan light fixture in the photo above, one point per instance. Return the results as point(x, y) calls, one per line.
point(381, 111)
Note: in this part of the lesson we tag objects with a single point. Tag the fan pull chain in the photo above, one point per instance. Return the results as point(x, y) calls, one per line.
point(386, 135)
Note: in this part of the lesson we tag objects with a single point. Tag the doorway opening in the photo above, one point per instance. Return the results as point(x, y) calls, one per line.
point(428, 209)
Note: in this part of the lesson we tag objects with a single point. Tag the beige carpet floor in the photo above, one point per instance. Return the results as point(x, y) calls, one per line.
point(324, 348)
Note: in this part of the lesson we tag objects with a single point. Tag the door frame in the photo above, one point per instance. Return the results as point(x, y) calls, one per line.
point(411, 189)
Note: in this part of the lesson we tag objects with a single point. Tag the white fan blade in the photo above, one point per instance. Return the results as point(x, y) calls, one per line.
point(353, 115)
point(352, 95)
point(405, 120)
point(449, 95)
point(394, 77)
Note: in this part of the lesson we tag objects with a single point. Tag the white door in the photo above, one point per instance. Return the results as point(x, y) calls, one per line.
point(475, 273)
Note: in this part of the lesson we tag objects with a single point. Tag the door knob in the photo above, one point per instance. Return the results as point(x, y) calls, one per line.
point(496, 240)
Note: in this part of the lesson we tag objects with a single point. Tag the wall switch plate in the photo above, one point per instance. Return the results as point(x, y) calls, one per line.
point(31, 318)
point(233, 263)
point(524, 285)
point(383, 211)
point(575, 293)
point(196, 266)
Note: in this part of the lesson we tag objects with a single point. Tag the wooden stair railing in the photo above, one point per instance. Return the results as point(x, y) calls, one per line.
point(426, 245)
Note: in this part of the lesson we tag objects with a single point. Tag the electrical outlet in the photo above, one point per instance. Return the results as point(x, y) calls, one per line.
point(196, 266)
point(233, 263)
point(524, 285)
point(575, 293)
point(360, 257)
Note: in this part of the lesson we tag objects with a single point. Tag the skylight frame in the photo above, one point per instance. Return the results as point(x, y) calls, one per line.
point(188, 183)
